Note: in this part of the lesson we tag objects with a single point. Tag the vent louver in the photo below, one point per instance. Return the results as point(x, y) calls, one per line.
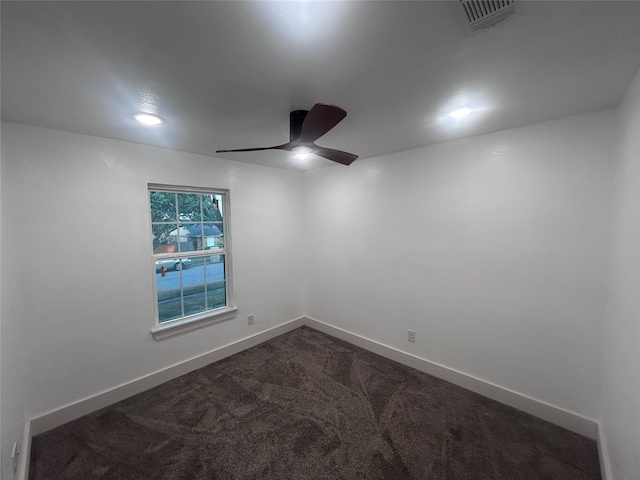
point(486, 13)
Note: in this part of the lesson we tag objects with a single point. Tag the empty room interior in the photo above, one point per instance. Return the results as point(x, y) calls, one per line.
point(316, 240)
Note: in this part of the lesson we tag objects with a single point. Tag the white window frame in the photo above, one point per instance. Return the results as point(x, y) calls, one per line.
point(191, 322)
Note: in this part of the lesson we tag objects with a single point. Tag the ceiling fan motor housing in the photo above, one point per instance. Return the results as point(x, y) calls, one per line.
point(296, 118)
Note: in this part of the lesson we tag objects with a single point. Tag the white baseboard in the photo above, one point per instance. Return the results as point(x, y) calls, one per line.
point(90, 404)
point(603, 453)
point(537, 408)
point(22, 472)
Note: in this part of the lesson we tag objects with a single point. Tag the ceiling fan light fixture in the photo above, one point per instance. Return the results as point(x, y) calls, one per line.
point(461, 112)
point(301, 152)
point(305, 128)
point(148, 119)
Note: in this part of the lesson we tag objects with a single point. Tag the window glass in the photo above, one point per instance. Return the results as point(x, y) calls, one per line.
point(189, 253)
point(212, 210)
point(215, 278)
point(163, 206)
point(190, 238)
point(189, 207)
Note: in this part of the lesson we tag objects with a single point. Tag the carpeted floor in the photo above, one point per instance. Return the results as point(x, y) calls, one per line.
point(308, 406)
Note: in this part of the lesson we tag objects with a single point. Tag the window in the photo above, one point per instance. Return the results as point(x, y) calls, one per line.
point(191, 259)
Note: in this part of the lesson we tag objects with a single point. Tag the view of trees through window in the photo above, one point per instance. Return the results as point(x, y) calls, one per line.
point(189, 252)
point(170, 211)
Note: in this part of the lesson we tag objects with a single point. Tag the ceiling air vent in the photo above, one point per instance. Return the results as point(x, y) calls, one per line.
point(486, 13)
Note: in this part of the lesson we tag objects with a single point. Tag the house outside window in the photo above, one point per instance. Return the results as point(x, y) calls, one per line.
point(191, 257)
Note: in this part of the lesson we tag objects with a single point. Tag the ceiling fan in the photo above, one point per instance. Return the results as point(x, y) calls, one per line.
point(305, 128)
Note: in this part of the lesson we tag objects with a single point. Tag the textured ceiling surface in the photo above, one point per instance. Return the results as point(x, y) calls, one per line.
point(227, 74)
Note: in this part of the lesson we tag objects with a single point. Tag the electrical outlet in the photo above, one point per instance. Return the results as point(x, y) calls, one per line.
point(250, 319)
point(411, 336)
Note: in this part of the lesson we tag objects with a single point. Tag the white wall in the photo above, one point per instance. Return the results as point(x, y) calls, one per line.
point(621, 393)
point(492, 248)
point(77, 304)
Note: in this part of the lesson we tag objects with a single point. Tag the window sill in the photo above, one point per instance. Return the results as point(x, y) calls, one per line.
point(183, 325)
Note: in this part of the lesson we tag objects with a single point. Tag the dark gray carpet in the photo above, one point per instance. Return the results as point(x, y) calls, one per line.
point(308, 406)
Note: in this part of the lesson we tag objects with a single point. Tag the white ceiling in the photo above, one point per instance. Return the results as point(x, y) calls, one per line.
point(227, 74)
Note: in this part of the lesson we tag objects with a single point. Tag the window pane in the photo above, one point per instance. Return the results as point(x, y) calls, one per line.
point(171, 278)
point(164, 234)
point(191, 237)
point(169, 309)
point(216, 285)
point(194, 300)
point(169, 305)
point(163, 206)
point(189, 207)
point(212, 236)
point(219, 242)
point(193, 272)
point(212, 210)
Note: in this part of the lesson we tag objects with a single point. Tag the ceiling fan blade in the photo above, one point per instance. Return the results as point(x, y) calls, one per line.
point(345, 158)
point(321, 118)
point(285, 146)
